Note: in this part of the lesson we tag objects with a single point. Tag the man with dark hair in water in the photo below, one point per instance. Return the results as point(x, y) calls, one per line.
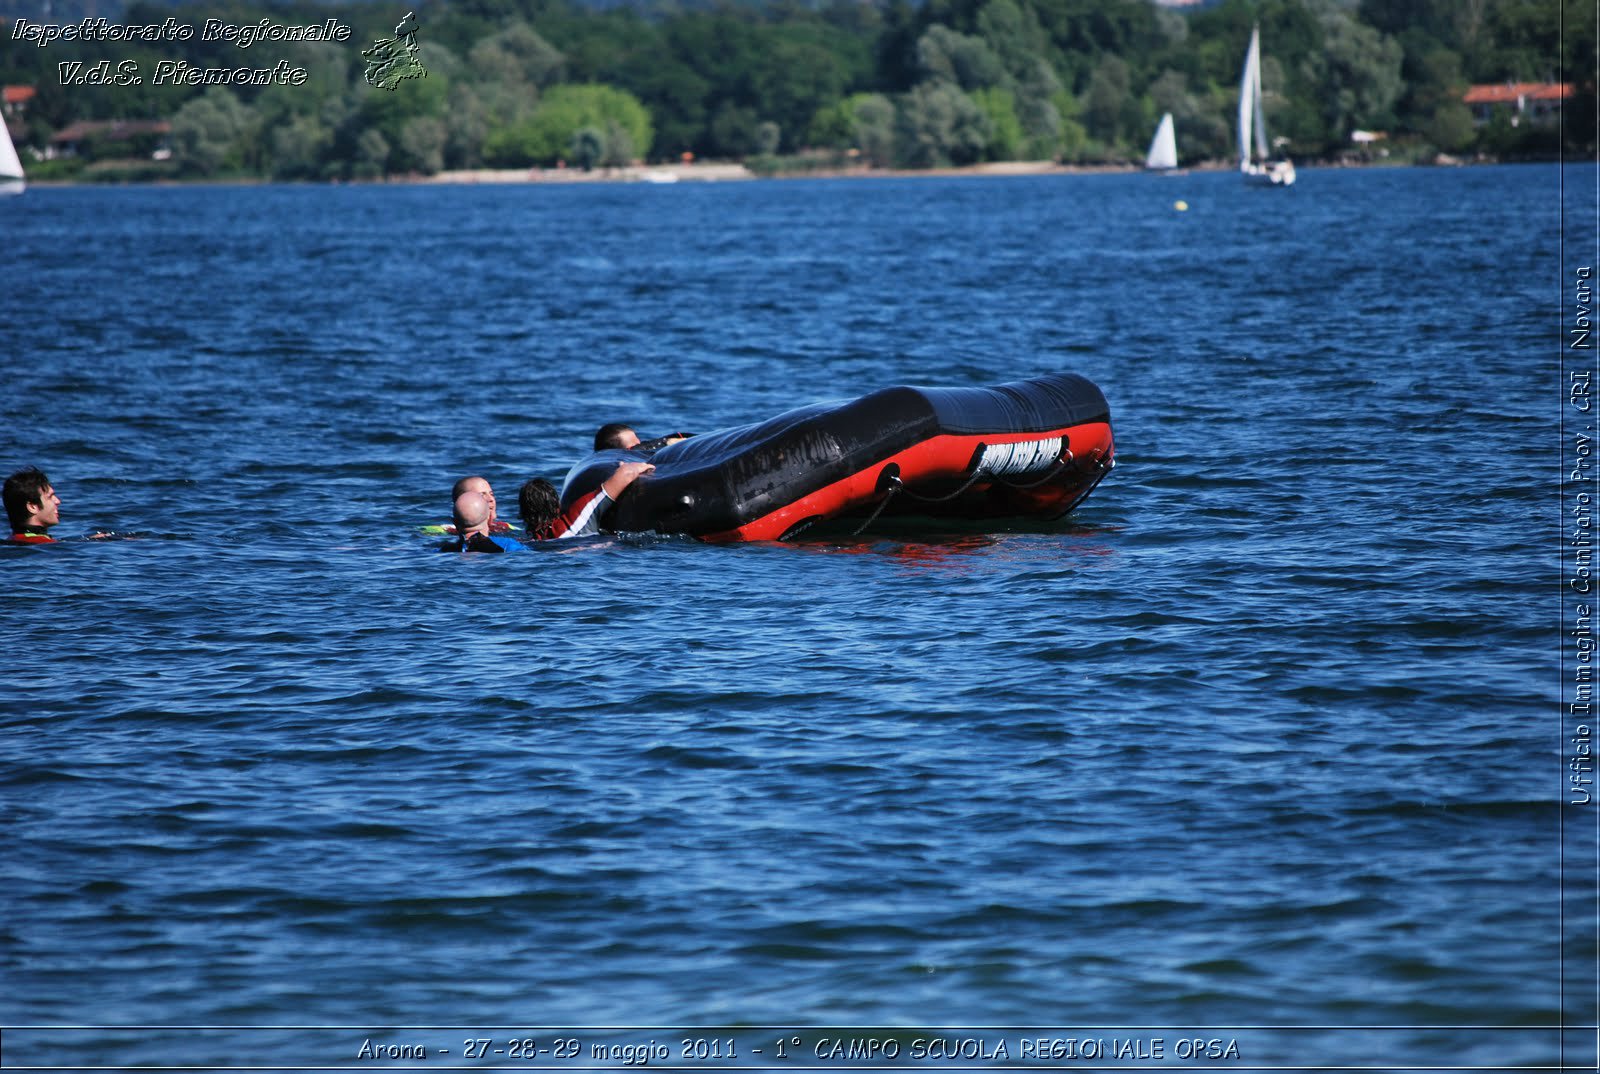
point(544, 519)
point(622, 437)
point(471, 512)
point(32, 506)
point(615, 435)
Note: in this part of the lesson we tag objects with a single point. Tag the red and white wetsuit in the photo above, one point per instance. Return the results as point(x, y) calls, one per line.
point(579, 518)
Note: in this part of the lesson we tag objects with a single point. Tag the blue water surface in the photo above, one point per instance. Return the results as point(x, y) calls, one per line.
point(1264, 734)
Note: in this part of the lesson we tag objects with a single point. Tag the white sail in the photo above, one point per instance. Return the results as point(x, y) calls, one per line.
point(1163, 147)
point(1253, 146)
point(11, 181)
point(1249, 96)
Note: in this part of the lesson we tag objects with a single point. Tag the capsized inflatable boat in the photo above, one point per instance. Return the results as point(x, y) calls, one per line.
point(1029, 449)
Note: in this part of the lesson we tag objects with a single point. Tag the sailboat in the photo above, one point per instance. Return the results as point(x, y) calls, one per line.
point(1163, 155)
point(11, 181)
point(1255, 162)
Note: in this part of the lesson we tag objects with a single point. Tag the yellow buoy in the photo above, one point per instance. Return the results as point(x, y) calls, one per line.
point(1181, 205)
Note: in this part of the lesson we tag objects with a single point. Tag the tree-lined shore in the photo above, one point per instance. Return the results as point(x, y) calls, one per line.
point(788, 86)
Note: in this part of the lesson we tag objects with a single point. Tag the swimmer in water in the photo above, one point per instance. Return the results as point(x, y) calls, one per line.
point(32, 506)
point(481, 486)
point(539, 504)
point(472, 512)
point(619, 436)
point(544, 519)
point(615, 435)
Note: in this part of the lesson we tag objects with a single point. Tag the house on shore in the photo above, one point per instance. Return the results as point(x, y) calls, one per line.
point(14, 100)
point(112, 138)
point(1537, 103)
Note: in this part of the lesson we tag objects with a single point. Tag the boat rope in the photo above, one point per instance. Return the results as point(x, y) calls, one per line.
point(1061, 461)
point(889, 481)
point(894, 487)
point(898, 486)
point(1102, 467)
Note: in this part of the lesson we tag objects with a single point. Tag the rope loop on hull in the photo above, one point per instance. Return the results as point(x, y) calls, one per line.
point(1055, 467)
point(898, 486)
point(890, 485)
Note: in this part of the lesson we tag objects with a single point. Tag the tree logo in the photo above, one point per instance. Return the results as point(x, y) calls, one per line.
point(391, 61)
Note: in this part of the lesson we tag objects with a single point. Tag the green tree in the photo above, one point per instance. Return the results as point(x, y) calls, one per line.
point(874, 117)
point(1015, 37)
point(1106, 102)
point(372, 155)
point(1355, 75)
point(1437, 80)
point(619, 146)
point(1005, 130)
point(734, 131)
point(211, 133)
point(422, 144)
point(959, 59)
point(937, 124)
point(831, 128)
point(517, 54)
point(547, 136)
point(298, 147)
point(1451, 127)
point(676, 96)
point(1073, 138)
point(863, 122)
point(800, 77)
point(389, 114)
point(467, 128)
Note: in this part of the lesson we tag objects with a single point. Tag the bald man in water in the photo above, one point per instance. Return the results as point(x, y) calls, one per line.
point(473, 513)
point(480, 485)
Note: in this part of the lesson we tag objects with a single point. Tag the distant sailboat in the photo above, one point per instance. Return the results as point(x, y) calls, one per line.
point(11, 180)
point(1163, 155)
point(1254, 158)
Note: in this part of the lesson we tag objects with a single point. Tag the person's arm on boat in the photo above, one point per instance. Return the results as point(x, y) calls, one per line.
point(581, 517)
point(660, 442)
point(624, 475)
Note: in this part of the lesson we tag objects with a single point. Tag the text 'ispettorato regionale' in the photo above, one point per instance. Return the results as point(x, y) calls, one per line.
point(177, 72)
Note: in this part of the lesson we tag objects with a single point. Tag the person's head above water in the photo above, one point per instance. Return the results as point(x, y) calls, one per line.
point(472, 512)
point(477, 484)
point(615, 435)
point(539, 504)
point(31, 504)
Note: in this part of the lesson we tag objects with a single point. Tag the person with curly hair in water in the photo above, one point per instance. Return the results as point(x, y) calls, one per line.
point(544, 519)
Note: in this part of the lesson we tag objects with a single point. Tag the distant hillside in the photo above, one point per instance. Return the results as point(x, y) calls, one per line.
point(787, 84)
point(74, 10)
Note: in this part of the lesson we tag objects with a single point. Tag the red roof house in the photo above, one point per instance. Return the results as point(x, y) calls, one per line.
point(14, 99)
point(1539, 102)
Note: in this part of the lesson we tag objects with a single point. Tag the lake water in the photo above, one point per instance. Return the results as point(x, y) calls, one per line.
point(1263, 744)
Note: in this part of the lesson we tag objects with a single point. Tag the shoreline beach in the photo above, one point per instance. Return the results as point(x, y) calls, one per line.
point(735, 172)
